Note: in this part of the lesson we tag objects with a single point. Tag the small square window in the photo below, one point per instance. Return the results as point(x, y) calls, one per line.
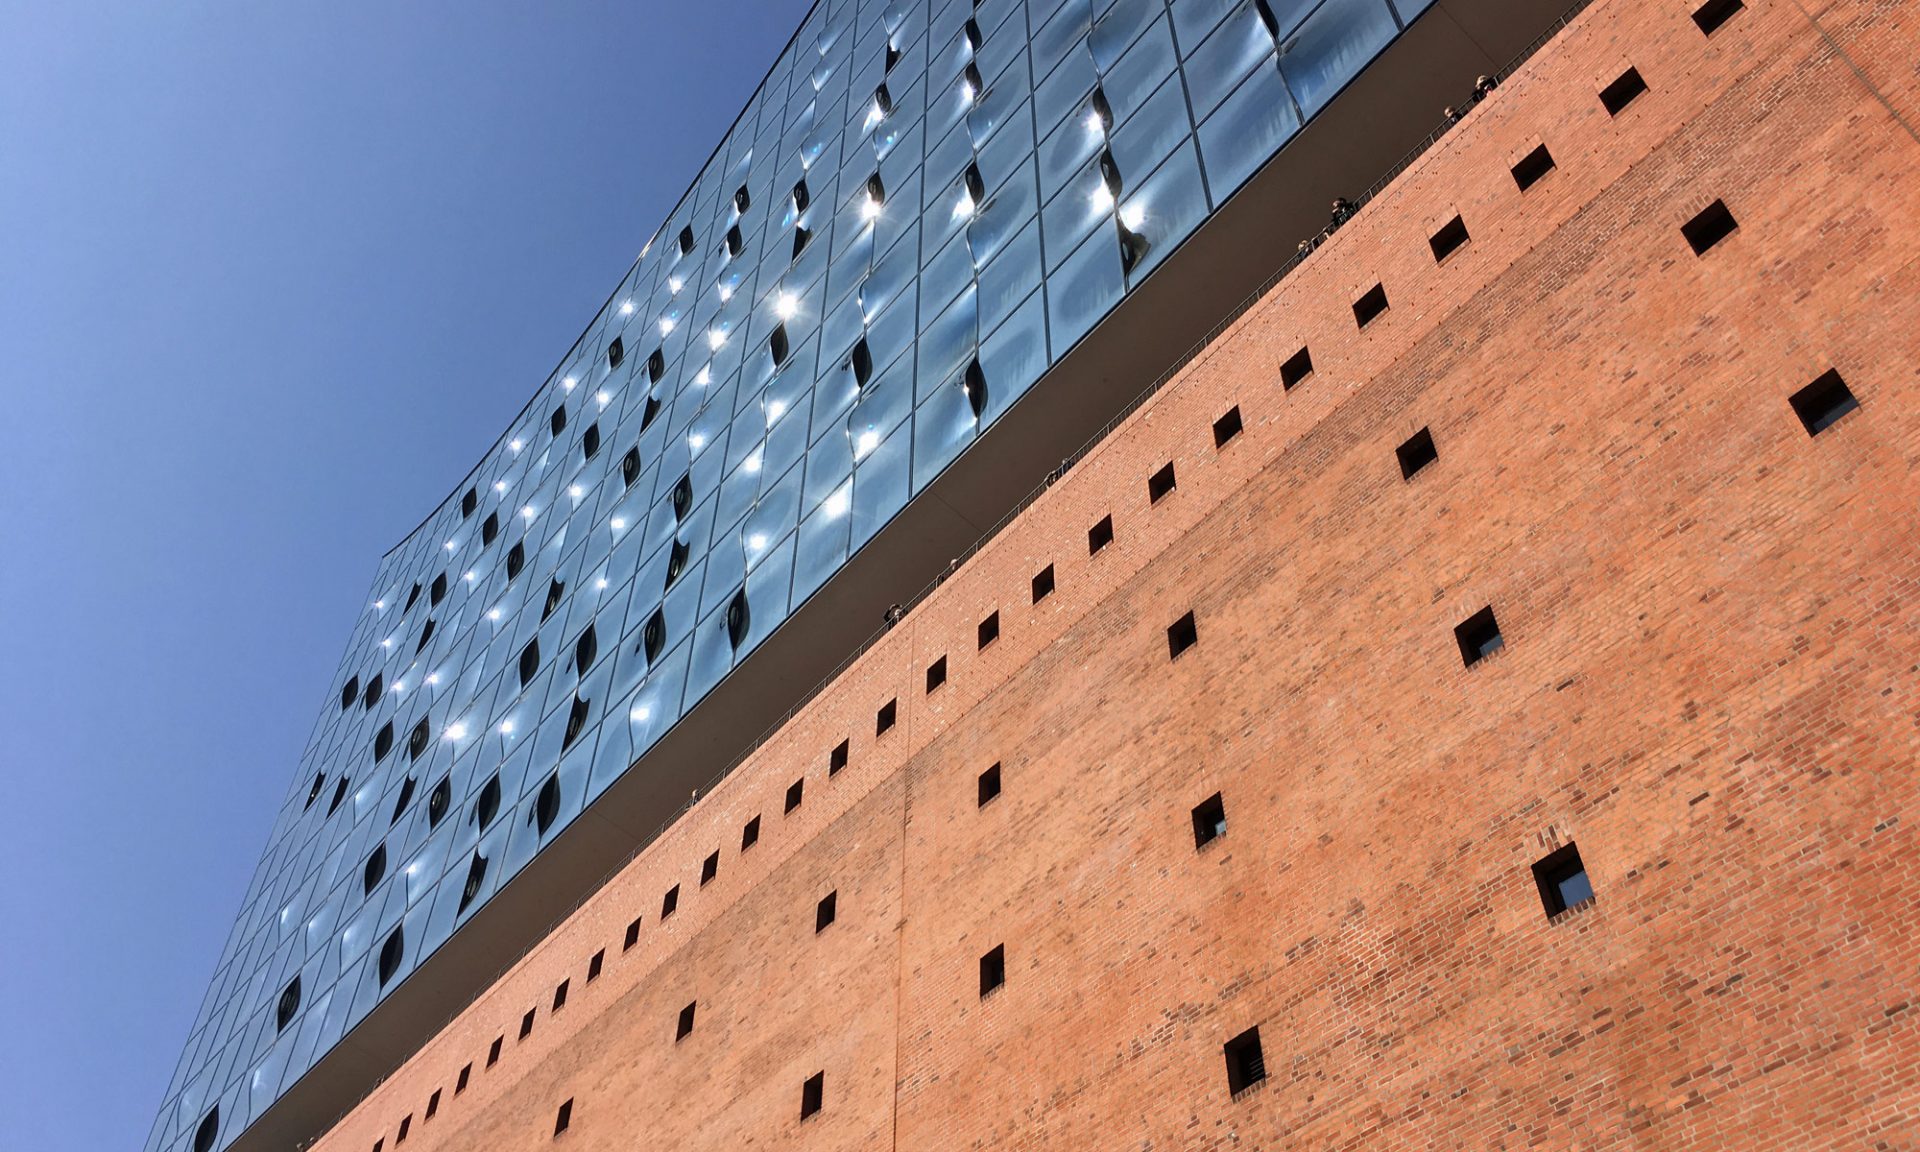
point(1448, 240)
point(989, 784)
point(526, 1023)
point(837, 759)
point(1616, 96)
point(433, 1106)
point(823, 913)
point(1298, 367)
point(936, 673)
point(669, 902)
point(1209, 821)
point(1182, 634)
point(1227, 427)
point(750, 835)
point(813, 1094)
point(564, 1118)
point(1416, 453)
point(633, 936)
point(1159, 484)
point(596, 964)
point(560, 995)
point(1246, 1066)
point(1479, 636)
point(709, 868)
point(1562, 880)
point(993, 970)
point(796, 792)
point(1368, 308)
point(1532, 167)
point(883, 719)
point(989, 630)
point(466, 1076)
point(1711, 15)
point(493, 1051)
point(1100, 535)
point(1823, 402)
point(1043, 584)
point(685, 1028)
point(1713, 224)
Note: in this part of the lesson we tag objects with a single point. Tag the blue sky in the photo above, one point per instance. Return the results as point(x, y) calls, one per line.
point(272, 277)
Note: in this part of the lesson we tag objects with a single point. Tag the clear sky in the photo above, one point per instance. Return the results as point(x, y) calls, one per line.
point(273, 275)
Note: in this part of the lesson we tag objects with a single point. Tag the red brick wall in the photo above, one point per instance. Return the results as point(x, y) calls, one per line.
point(1711, 683)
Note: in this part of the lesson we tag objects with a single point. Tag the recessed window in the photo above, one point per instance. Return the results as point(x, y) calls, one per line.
point(1100, 535)
point(1616, 96)
point(576, 721)
point(685, 240)
point(1448, 240)
point(860, 360)
point(1246, 1066)
point(438, 592)
point(735, 241)
point(684, 1028)
point(476, 880)
point(1479, 636)
point(526, 1023)
point(339, 795)
point(795, 792)
point(616, 352)
point(516, 559)
point(632, 937)
point(993, 970)
point(1227, 427)
point(801, 235)
point(595, 963)
point(989, 785)
point(493, 1051)
point(289, 1005)
point(676, 562)
point(392, 953)
point(709, 868)
point(529, 661)
point(1416, 453)
point(413, 597)
point(801, 197)
point(656, 368)
point(740, 199)
point(208, 1132)
point(375, 870)
point(1822, 402)
point(936, 673)
point(590, 442)
point(438, 801)
point(777, 346)
point(1562, 880)
point(348, 692)
point(813, 1094)
point(465, 1078)
point(1532, 167)
point(669, 902)
point(973, 382)
point(419, 738)
point(682, 497)
point(1712, 225)
point(313, 793)
point(564, 1118)
point(1298, 367)
point(989, 630)
point(560, 995)
point(1043, 584)
point(892, 58)
point(653, 638)
point(401, 801)
point(649, 412)
point(559, 420)
point(1368, 308)
point(375, 687)
point(433, 1105)
point(739, 619)
point(750, 834)
point(823, 912)
point(426, 637)
point(556, 591)
point(489, 528)
point(469, 502)
point(630, 467)
point(884, 718)
point(837, 759)
point(1182, 634)
point(1160, 483)
point(1711, 15)
point(546, 806)
point(584, 650)
point(1209, 821)
point(487, 805)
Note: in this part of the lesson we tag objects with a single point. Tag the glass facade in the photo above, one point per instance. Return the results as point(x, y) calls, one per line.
point(926, 204)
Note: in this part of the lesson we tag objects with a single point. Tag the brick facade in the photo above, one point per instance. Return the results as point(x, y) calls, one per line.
point(1709, 683)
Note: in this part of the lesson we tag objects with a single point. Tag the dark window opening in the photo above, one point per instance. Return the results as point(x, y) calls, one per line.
point(972, 180)
point(438, 801)
point(1159, 484)
point(632, 937)
point(989, 630)
point(813, 1095)
point(882, 100)
point(801, 234)
point(656, 368)
point(936, 673)
point(1297, 367)
point(546, 806)
point(413, 598)
point(400, 802)
point(974, 383)
point(576, 721)
point(741, 201)
point(750, 834)
point(837, 759)
point(374, 688)
point(892, 57)
point(824, 912)
point(1616, 96)
point(489, 528)
point(1227, 427)
point(616, 352)
point(469, 502)
point(1711, 15)
point(559, 420)
point(684, 1028)
point(516, 559)
point(883, 719)
point(529, 661)
point(426, 637)
point(801, 197)
point(1182, 634)
point(653, 638)
point(584, 650)
point(1416, 453)
point(1368, 308)
point(313, 793)
point(1448, 240)
point(375, 870)
point(208, 1132)
point(347, 693)
point(590, 442)
point(860, 360)
point(556, 591)
point(1562, 880)
point(989, 785)
point(560, 995)
point(1043, 584)
point(686, 240)
point(1209, 821)
point(669, 902)
point(438, 592)
point(993, 970)
point(406, 1126)
point(676, 561)
point(1100, 535)
point(1532, 167)
point(564, 1119)
point(466, 1075)
point(683, 497)
point(972, 31)
point(1479, 636)
point(709, 868)
point(493, 1051)
point(1246, 1066)
point(777, 344)
point(630, 467)
point(526, 1023)
point(476, 879)
point(391, 953)
point(595, 963)
point(739, 620)
point(1823, 402)
point(433, 1105)
point(1712, 225)
point(339, 795)
point(487, 806)
point(736, 243)
point(418, 739)
point(795, 793)
point(283, 1013)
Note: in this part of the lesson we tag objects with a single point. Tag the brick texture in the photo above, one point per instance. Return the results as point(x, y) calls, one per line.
point(1709, 683)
